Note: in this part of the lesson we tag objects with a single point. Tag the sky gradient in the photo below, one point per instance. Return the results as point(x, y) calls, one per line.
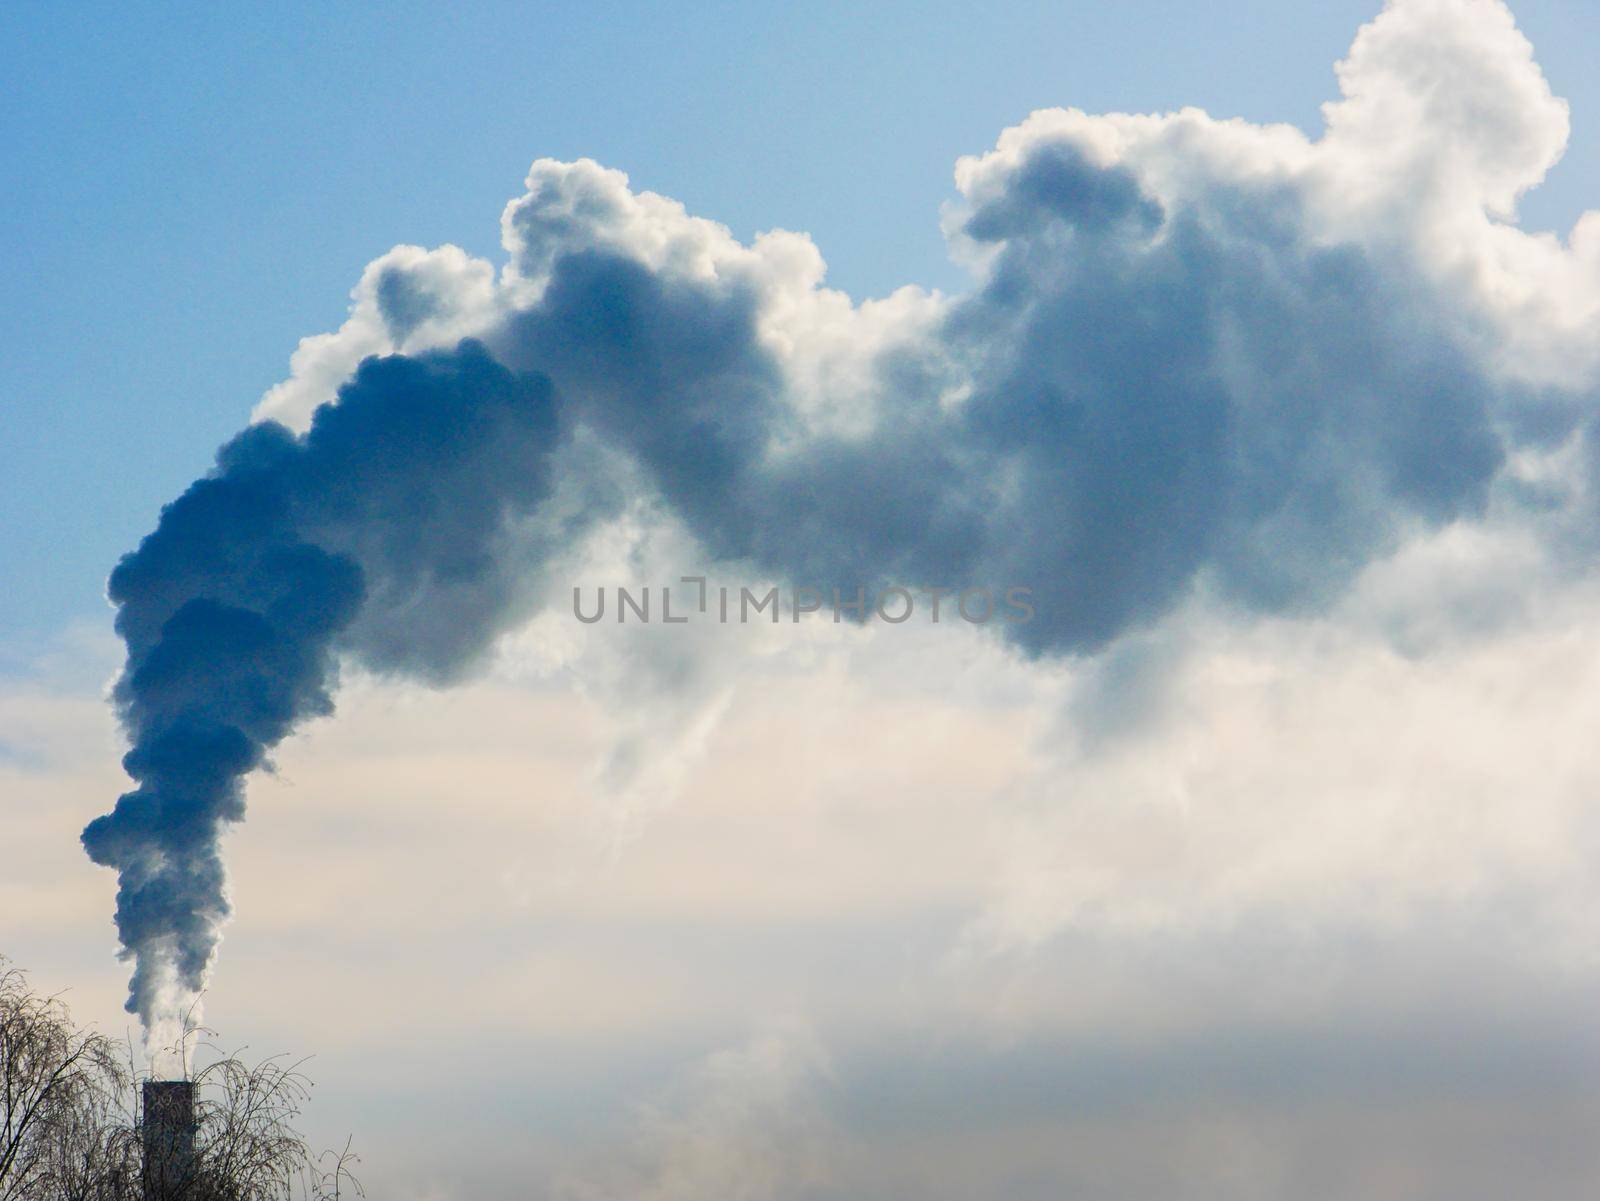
point(1258, 866)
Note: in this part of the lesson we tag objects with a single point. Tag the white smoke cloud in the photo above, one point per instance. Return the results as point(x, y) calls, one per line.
point(1405, 354)
point(1445, 121)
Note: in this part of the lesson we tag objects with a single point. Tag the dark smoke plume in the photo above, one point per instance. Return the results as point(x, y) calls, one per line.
point(389, 514)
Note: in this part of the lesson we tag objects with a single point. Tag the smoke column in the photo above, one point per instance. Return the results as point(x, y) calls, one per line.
point(392, 504)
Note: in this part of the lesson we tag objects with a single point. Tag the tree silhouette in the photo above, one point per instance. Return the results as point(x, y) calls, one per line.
point(78, 1124)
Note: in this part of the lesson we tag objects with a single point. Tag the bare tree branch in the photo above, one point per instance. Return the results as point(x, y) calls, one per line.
point(71, 1122)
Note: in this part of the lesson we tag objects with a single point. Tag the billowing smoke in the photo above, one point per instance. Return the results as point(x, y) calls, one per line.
point(1199, 359)
point(381, 532)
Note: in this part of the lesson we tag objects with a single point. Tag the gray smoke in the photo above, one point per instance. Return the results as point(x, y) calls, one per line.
point(392, 513)
point(1176, 374)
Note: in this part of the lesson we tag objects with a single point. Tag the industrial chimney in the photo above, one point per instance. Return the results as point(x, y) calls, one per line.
point(169, 1133)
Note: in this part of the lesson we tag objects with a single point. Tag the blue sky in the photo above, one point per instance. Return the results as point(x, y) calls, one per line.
point(188, 191)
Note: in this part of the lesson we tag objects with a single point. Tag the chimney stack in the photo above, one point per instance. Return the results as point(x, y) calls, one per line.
point(169, 1133)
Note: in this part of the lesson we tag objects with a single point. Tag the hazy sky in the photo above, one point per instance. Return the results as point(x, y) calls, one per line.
point(1260, 870)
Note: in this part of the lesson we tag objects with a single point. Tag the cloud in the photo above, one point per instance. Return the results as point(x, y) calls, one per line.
point(409, 298)
point(1445, 114)
point(1198, 354)
point(1263, 421)
point(1315, 928)
point(745, 1125)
